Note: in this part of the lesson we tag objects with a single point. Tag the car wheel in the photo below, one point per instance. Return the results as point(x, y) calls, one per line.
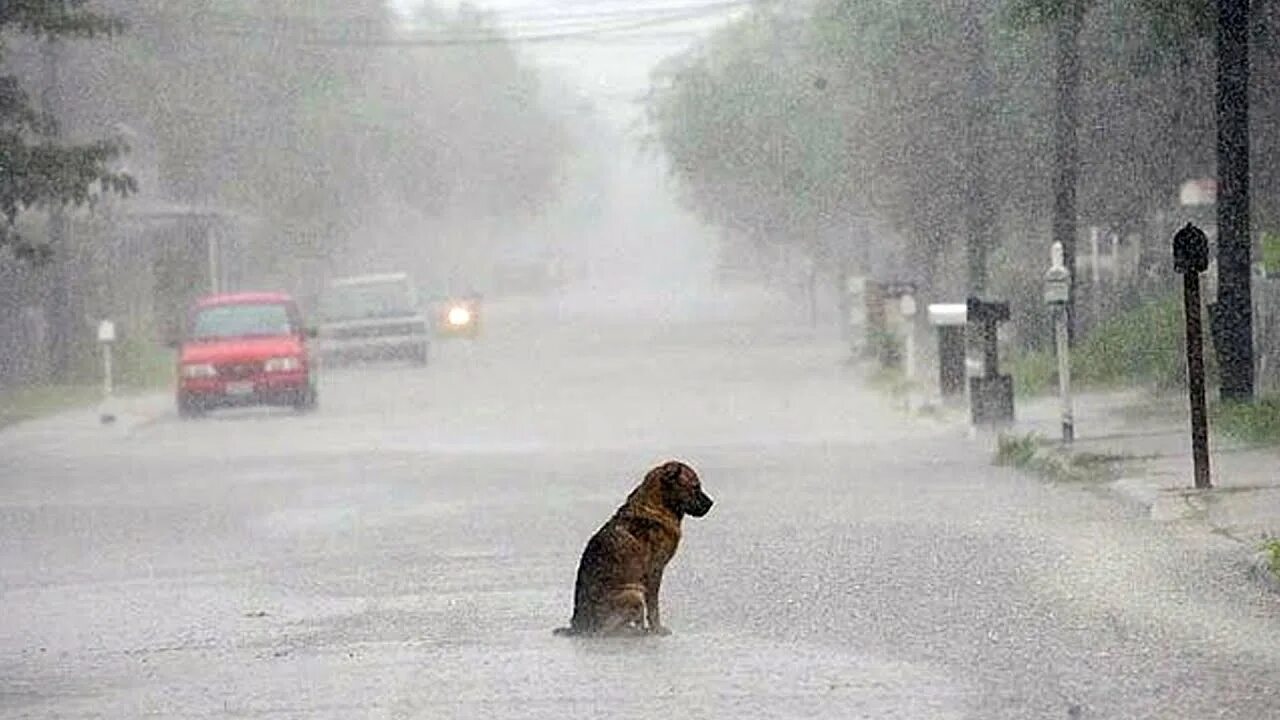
point(189, 408)
point(420, 355)
point(307, 400)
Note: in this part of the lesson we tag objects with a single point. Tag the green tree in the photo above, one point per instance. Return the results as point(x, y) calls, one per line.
point(35, 169)
point(313, 119)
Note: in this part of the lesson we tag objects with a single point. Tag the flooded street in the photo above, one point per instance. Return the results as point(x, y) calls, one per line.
point(406, 550)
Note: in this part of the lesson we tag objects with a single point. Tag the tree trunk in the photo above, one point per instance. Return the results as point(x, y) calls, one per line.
point(1234, 307)
point(978, 212)
point(57, 296)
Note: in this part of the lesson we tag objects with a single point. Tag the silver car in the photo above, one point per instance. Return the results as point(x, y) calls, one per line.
point(372, 318)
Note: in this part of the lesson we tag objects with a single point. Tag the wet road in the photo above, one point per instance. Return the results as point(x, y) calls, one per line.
point(405, 552)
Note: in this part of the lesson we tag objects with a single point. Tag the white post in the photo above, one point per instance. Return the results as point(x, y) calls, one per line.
point(107, 338)
point(106, 371)
point(1064, 375)
point(1056, 293)
point(911, 353)
point(1095, 274)
point(1115, 258)
point(907, 308)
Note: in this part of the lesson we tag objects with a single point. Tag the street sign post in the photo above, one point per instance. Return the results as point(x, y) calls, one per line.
point(107, 339)
point(1057, 293)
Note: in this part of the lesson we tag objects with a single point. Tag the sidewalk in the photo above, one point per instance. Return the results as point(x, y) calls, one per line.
point(1150, 439)
point(123, 414)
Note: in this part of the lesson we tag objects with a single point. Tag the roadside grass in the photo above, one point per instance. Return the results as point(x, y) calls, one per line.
point(33, 401)
point(1271, 548)
point(1031, 453)
point(140, 367)
point(1256, 423)
point(1035, 372)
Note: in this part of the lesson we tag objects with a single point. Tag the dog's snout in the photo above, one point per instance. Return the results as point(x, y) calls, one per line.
point(702, 505)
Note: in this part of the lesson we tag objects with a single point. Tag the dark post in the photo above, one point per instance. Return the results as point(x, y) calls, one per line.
point(1235, 305)
point(979, 215)
point(991, 394)
point(1191, 257)
point(951, 360)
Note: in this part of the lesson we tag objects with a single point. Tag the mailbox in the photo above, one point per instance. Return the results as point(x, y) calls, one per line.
point(983, 312)
point(1190, 250)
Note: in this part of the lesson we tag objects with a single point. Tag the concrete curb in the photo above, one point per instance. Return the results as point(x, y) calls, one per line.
point(1260, 568)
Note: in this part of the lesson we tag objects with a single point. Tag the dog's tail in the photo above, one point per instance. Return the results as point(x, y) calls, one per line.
point(565, 632)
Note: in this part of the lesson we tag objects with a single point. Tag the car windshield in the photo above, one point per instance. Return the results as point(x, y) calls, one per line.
point(246, 320)
point(372, 300)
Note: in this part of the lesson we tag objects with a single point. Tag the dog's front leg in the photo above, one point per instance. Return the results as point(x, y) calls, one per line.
point(652, 613)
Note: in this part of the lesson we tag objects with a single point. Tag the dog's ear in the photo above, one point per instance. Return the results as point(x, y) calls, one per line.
point(671, 471)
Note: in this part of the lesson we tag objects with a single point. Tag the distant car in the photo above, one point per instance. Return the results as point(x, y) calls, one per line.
point(244, 349)
point(373, 317)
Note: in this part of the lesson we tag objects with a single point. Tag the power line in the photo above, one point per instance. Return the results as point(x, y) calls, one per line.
point(582, 27)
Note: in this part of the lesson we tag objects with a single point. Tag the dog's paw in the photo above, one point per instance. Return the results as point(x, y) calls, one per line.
point(660, 630)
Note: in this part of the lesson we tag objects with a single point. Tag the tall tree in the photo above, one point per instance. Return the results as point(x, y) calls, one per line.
point(326, 119)
point(978, 211)
point(35, 169)
point(1235, 303)
point(1065, 17)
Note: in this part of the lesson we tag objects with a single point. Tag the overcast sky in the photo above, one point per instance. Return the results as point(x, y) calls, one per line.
point(613, 67)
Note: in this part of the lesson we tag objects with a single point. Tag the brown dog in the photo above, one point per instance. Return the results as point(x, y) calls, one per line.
point(620, 573)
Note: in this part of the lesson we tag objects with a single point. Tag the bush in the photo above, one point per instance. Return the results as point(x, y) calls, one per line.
point(1016, 450)
point(1145, 345)
point(1272, 549)
point(1035, 372)
point(1257, 422)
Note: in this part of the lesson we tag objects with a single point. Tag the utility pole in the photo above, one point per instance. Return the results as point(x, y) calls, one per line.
point(1066, 144)
point(978, 213)
point(1235, 299)
point(61, 324)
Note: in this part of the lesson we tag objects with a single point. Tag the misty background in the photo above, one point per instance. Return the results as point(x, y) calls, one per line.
point(622, 157)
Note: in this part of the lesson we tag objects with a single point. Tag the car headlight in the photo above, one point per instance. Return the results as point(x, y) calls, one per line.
point(282, 364)
point(199, 370)
point(459, 315)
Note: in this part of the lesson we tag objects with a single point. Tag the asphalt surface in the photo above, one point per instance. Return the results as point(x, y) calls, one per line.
point(405, 552)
